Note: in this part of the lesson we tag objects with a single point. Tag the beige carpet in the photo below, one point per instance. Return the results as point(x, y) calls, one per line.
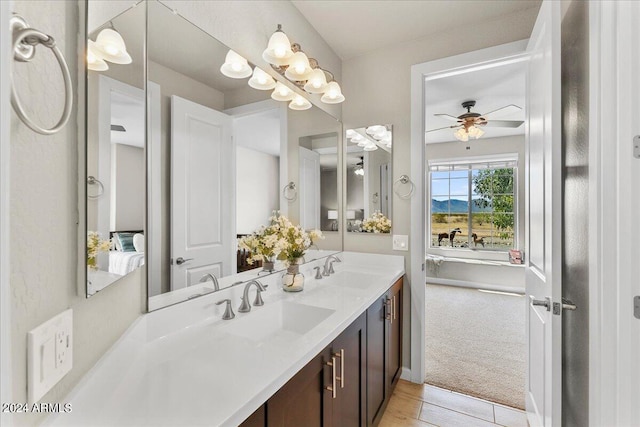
point(476, 343)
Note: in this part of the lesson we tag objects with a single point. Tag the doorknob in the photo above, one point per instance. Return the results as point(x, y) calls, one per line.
point(181, 260)
point(566, 305)
point(544, 303)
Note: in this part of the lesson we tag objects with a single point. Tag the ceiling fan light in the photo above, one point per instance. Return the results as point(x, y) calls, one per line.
point(462, 135)
point(278, 51)
point(317, 82)
point(282, 93)
point(111, 47)
point(299, 68)
point(299, 103)
point(261, 80)
point(94, 59)
point(333, 94)
point(235, 66)
point(359, 171)
point(479, 133)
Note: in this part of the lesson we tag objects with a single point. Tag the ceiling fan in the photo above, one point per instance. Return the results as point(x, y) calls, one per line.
point(467, 123)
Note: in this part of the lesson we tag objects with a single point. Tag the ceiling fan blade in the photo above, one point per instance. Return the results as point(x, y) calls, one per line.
point(447, 117)
point(504, 123)
point(446, 127)
point(511, 108)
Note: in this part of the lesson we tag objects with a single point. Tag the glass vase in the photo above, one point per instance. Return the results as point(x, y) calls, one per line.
point(268, 264)
point(293, 280)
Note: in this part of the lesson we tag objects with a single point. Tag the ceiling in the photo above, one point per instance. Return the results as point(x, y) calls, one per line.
point(353, 28)
point(491, 88)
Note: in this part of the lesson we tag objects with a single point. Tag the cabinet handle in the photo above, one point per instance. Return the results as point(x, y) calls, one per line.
point(393, 308)
point(387, 310)
point(332, 388)
point(341, 356)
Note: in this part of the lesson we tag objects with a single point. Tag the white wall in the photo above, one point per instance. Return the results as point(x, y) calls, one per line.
point(368, 101)
point(257, 195)
point(44, 215)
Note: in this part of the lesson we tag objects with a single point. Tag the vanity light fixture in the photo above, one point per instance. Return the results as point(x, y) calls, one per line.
point(299, 68)
point(317, 82)
point(235, 66)
point(94, 59)
point(333, 95)
point(351, 134)
point(278, 51)
point(282, 93)
point(299, 103)
point(111, 47)
point(261, 80)
point(370, 147)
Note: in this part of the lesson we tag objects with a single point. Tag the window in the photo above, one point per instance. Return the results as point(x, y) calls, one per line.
point(473, 204)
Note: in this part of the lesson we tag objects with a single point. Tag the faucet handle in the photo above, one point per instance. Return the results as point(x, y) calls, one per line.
point(258, 301)
point(228, 311)
point(318, 274)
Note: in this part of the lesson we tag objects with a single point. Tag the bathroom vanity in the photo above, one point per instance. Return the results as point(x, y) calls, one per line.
point(331, 352)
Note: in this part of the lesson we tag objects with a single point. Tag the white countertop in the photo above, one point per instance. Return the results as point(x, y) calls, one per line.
point(183, 365)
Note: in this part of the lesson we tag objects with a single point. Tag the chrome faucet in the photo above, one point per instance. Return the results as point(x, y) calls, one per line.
point(318, 274)
point(245, 307)
point(213, 278)
point(228, 311)
point(328, 265)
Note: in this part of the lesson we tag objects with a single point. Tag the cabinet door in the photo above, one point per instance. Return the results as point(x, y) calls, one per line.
point(304, 400)
point(394, 368)
point(349, 408)
point(376, 359)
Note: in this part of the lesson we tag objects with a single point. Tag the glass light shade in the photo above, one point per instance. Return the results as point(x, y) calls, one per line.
point(282, 93)
point(94, 60)
point(357, 138)
point(333, 94)
point(351, 214)
point(261, 80)
point(359, 171)
point(299, 68)
point(332, 214)
point(351, 133)
point(110, 45)
point(235, 66)
point(363, 143)
point(299, 103)
point(462, 135)
point(317, 83)
point(375, 129)
point(475, 132)
point(278, 51)
point(370, 147)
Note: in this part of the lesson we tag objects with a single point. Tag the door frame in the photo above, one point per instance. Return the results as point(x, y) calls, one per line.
point(614, 341)
point(6, 390)
point(505, 53)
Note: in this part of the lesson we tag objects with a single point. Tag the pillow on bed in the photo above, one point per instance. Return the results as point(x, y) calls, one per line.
point(125, 241)
point(138, 242)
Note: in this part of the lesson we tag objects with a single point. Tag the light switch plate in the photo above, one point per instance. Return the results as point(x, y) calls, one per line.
point(50, 354)
point(400, 242)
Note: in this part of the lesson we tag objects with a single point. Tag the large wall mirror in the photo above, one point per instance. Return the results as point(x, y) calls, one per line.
point(223, 157)
point(369, 179)
point(115, 150)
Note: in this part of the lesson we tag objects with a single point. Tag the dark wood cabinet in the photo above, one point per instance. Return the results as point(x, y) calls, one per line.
point(350, 382)
point(384, 351)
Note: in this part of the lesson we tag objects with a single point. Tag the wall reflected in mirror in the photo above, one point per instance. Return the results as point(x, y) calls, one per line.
point(115, 148)
point(369, 179)
point(220, 154)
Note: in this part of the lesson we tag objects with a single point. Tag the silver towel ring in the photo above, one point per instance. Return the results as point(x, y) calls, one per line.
point(404, 179)
point(290, 192)
point(25, 38)
point(91, 180)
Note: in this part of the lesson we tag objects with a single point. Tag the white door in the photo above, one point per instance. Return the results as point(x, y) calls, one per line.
point(202, 187)
point(543, 221)
point(309, 189)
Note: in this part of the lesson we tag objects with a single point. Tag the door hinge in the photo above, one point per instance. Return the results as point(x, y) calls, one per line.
point(636, 306)
point(636, 146)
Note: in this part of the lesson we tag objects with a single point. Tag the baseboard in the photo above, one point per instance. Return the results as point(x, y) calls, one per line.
point(474, 285)
point(405, 374)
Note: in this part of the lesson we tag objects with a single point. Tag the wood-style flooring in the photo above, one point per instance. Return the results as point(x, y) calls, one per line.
point(422, 405)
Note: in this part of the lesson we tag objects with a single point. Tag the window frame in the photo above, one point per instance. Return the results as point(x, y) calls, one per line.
point(472, 252)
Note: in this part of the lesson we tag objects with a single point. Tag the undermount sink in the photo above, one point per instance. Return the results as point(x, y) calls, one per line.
point(351, 279)
point(281, 318)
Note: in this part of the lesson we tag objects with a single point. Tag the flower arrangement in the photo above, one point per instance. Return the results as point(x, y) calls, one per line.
point(95, 245)
point(280, 239)
point(377, 223)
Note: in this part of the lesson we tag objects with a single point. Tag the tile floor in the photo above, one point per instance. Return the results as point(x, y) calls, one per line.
point(422, 405)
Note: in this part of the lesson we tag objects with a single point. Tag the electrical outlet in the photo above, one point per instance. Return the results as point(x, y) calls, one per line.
point(400, 242)
point(49, 352)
